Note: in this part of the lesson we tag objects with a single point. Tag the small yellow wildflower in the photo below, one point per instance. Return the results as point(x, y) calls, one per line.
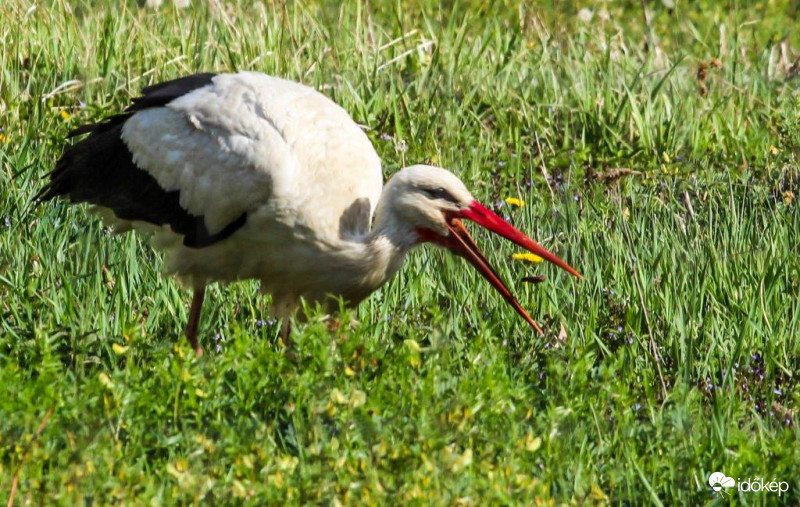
point(337, 397)
point(64, 115)
point(181, 465)
point(238, 489)
point(462, 461)
point(526, 256)
point(177, 468)
point(329, 409)
point(357, 398)
point(774, 150)
point(532, 444)
point(513, 201)
point(119, 349)
point(788, 197)
point(598, 495)
point(178, 350)
point(349, 371)
point(412, 345)
point(105, 380)
point(3, 138)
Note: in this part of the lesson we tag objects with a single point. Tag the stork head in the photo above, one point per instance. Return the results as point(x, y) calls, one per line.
point(429, 203)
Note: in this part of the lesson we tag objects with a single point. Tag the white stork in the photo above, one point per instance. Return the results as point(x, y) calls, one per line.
point(249, 176)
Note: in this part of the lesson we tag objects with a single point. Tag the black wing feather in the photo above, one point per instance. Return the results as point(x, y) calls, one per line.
point(99, 169)
point(162, 93)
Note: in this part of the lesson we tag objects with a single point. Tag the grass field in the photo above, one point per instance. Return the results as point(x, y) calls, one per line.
point(661, 161)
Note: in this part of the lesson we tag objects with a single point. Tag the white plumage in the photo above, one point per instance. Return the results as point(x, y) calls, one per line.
point(250, 176)
point(282, 153)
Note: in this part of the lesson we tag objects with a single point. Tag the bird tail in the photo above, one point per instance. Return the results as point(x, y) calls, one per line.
point(80, 168)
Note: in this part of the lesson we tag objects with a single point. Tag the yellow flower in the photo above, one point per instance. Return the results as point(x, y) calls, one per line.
point(597, 495)
point(178, 468)
point(788, 197)
point(513, 201)
point(178, 350)
point(349, 371)
point(357, 398)
point(119, 349)
point(105, 380)
point(412, 345)
point(64, 114)
point(337, 397)
point(461, 461)
point(526, 256)
point(3, 138)
point(774, 150)
point(532, 444)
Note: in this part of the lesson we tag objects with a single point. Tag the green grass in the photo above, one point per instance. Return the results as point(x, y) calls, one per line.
point(677, 355)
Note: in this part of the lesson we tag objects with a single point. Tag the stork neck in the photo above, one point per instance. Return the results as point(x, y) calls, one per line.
point(363, 265)
point(386, 248)
point(374, 258)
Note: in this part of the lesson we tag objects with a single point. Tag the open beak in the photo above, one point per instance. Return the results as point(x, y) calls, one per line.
point(462, 244)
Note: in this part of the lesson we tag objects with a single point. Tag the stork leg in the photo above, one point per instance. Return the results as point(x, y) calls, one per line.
point(194, 320)
point(286, 329)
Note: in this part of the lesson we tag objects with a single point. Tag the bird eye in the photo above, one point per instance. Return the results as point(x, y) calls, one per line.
point(439, 193)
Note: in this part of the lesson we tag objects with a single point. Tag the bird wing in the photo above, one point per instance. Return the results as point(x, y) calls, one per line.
point(203, 152)
point(254, 143)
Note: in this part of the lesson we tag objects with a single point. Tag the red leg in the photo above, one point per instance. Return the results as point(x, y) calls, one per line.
point(194, 320)
point(286, 331)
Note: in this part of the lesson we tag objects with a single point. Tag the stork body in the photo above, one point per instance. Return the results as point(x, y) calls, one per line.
point(246, 175)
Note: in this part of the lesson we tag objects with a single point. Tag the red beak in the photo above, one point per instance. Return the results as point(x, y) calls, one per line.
point(488, 219)
point(460, 243)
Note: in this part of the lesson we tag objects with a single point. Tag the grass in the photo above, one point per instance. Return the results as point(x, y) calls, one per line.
point(677, 356)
